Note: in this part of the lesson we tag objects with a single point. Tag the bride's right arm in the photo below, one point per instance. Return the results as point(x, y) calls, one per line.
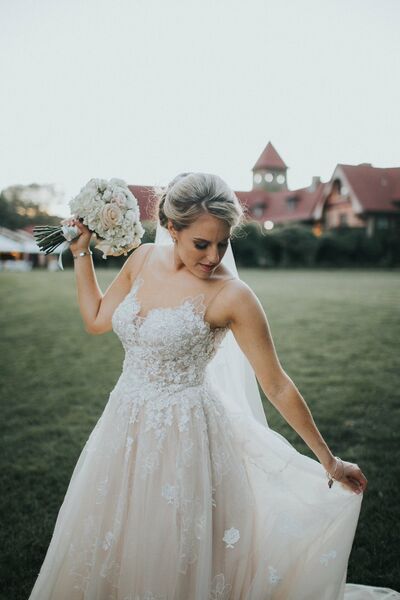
point(95, 307)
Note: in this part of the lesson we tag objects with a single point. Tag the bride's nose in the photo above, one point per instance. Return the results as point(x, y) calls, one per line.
point(213, 256)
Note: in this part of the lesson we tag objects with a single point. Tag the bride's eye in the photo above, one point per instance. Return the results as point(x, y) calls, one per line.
point(204, 246)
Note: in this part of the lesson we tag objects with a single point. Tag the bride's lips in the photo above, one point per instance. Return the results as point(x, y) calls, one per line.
point(207, 268)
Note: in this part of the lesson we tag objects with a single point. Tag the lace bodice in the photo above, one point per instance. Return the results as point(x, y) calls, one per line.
point(169, 348)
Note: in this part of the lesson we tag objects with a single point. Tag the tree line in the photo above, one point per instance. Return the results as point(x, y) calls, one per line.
point(285, 246)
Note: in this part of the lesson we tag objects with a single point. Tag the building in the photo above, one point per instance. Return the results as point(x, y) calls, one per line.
point(19, 251)
point(356, 196)
point(361, 196)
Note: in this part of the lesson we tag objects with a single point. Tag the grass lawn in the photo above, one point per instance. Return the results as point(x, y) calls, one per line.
point(336, 334)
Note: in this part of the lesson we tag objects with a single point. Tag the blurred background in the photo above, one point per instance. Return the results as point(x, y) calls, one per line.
point(295, 104)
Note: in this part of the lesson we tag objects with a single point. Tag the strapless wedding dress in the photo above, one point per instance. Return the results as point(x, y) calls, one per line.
point(172, 498)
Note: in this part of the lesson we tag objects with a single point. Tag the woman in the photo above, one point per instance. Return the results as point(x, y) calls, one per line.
point(182, 492)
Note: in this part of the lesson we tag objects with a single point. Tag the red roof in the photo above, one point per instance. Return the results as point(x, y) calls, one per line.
point(375, 187)
point(147, 204)
point(277, 207)
point(269, 159)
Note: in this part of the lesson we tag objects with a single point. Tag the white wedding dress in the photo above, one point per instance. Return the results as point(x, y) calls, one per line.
point(172, 498)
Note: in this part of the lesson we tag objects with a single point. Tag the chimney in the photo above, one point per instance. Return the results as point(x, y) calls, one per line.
point(316, 180)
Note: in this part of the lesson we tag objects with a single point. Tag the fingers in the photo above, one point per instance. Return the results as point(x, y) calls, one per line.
point(353, 478)
point(357, 482)
point(68, 222)
point(358, 476)
point(77, 223)
point(356, 486)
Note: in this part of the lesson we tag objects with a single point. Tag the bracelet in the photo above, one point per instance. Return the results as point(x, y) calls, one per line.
point(83, 253)
point(330, 476)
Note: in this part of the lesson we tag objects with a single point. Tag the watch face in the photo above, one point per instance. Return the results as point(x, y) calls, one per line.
point(268, 177)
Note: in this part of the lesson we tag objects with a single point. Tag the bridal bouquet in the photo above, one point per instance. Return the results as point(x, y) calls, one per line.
point(108, 209)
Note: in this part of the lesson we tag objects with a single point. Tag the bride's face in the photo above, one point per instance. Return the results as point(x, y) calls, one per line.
point(202, 245)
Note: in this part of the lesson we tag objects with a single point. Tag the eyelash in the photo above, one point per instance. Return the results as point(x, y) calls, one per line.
point(199, 247)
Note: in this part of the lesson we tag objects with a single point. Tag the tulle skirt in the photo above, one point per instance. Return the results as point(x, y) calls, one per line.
point(172, 498)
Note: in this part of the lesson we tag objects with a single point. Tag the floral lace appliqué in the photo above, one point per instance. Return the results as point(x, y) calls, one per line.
point(231, 536)
point(220, 590)
point(273, 576)
point(327, 556)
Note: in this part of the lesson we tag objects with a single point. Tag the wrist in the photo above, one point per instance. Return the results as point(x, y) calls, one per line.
point(328, 461)
point(84, 252)
point(337, 473)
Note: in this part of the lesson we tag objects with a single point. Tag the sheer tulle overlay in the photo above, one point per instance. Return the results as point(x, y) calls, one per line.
point(172, 498)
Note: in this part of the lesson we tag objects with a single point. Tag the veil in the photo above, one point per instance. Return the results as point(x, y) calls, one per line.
point(230, 370)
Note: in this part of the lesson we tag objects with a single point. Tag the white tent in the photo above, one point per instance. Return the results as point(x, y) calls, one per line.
point(9, 245)
point(19, 241)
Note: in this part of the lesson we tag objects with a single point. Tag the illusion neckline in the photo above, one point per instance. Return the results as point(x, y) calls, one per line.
point(187, 300)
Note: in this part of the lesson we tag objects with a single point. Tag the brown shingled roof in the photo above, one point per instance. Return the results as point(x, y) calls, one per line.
point(277, 209)
point(276, 202)
point(375, 187)
point(269, 159)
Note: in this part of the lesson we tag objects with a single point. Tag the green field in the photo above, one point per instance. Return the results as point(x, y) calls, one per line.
point(336, 334)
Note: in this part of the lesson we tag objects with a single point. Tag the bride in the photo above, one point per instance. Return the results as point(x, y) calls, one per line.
point(182, 491)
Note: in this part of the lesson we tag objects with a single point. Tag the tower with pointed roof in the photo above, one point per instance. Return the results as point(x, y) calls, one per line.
point(270, 172)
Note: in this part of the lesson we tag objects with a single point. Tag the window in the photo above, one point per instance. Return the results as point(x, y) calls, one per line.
point(258, 209)
point(337, 185)
point(291, 202)
point(342, 219)
point(382, 223)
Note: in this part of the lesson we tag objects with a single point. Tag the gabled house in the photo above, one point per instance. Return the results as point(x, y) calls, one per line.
point(356, 196)
point(361, 196)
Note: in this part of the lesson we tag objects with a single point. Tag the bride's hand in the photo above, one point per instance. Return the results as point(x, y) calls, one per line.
point(350, 475)
point(83, 241)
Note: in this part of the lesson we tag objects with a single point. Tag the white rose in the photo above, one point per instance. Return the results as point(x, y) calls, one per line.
point(107, 195)
point(129, 218)
point(99, 184)
point(130, 201)
point(117, 182)
point(138, 229)
point(119, 199)
point(110, 216)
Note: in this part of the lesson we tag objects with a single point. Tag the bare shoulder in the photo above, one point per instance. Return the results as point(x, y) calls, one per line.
point(237, 303)
point(237, 291)
point(240, 297)
point(136, 259)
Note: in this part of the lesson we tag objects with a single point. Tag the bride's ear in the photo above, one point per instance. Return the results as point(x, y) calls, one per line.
point(171, 229)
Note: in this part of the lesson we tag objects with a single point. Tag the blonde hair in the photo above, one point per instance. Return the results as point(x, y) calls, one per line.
point(189, 195)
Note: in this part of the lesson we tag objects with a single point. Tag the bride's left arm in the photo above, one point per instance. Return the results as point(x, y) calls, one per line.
point(249, 324)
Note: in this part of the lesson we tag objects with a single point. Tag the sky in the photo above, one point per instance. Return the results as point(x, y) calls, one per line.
point(146, 89)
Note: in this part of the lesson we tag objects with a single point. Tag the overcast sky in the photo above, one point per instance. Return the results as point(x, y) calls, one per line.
point(146, 89)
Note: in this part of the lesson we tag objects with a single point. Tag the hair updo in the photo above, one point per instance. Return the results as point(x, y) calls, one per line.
point(190, 195)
